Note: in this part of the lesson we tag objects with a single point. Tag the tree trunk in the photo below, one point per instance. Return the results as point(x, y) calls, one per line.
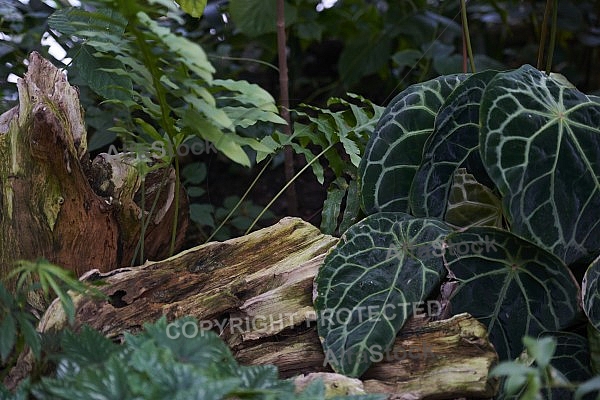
point(55, 203)
point(256, 292)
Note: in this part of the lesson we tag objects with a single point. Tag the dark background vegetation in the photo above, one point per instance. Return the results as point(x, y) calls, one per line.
point(373, 48)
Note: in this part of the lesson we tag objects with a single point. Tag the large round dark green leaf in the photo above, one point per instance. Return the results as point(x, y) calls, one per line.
point(395, 149)
point(370, 282)
point(455, 140)
point(511, 285)
point(540, 141)
point(590, 292)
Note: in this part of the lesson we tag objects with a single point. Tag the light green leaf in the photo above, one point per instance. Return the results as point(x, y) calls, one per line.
point(189, 53)
point(195, 8)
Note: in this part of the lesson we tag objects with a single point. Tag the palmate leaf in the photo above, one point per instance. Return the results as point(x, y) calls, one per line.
point(540, 142)
point(590, 293)
point(395, 149)
point(369, 283)
point(511, 285)
point(453, 144)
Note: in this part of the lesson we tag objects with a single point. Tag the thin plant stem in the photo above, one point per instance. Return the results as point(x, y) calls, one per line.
point(467, 38)
point(552, 37)
point(264, 168)
point(290, 182)
point(284, 100)
point(544, 34)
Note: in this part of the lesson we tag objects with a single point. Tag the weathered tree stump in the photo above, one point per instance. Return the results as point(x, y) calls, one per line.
point(56, 204)
point(256, 292)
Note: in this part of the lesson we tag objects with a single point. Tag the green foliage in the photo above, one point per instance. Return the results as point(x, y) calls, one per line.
point(343, 130)
point(542, 371)
point(160, 363)
point(528, 145)
point(169, 86)
point(34, 280)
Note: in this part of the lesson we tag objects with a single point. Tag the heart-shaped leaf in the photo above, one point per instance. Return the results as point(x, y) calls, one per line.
point(454, 143)
point(369, 284)
point(395, 149)
point(540, 142)
point(472, 204)
point(512, 286)
point(590, 292)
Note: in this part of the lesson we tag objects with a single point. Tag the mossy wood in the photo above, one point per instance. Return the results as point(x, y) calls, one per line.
point(57, 204)
point(256, 291)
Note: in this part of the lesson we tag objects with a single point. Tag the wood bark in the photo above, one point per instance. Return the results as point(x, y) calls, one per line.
point(57, 204)
point(256, 292)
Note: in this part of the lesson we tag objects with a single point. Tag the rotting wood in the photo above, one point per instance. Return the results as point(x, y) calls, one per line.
point(57, 204)
point(258, 289)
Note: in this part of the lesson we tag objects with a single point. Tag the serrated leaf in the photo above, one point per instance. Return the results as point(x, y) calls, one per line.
point(369, 283)
point(590, 293)
point(540, 142)
point(394, 151)
point(454, 143)
point(195, 8)
point(472, 204)
point(520, 289)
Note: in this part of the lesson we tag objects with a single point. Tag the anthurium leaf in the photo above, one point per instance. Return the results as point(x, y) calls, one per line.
point(540, 142)
point(472, 204)
point(593, 335)
point(394, 151)
point(590, 293)
point(571, 356)
point(511, 285)
point(453, 144)
point(368, 284)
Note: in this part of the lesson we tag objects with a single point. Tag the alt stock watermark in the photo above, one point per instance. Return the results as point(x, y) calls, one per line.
point(162, 150)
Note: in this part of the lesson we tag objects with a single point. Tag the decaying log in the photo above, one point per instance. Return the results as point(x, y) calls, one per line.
point(256, 291)
point(56, 204)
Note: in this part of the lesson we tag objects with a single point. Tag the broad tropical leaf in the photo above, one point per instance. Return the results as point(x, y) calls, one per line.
point(472, 204)
point(540, 142)
point(512, 286)
point(453, 144)
point(370, 282)
point(395, 149)
point(590, 292)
